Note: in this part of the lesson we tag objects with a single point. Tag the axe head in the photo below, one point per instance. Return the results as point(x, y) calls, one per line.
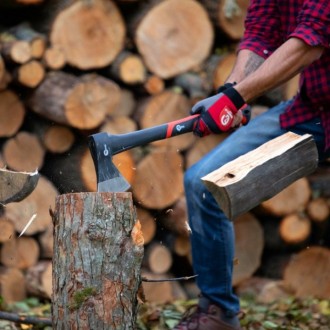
point(109, 179)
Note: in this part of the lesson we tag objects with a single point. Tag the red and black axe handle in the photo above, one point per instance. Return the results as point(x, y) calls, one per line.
point(122, 142)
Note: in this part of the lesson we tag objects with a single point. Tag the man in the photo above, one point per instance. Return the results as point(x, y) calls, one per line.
point(282, 38)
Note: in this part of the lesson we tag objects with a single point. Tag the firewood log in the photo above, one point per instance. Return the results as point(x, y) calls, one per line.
point(29, 74)
point(126, 104)
point(12, 284)
point(157, 258)
point(154, 84)
point(118, 125)
point(21, 253)
point(148, 224)
point(7, 230)
point(39, 279)
point(308, 273)
point(318, 209)
point(34, 208)
point(228, 16)
point(12, 113)
point(15, 186)
point(24, 152)
point(80, 102)
point(54, 58)
point(16, 51)
point(249, 245)
point(164, 40)
point(158, 180)
point(91, 34)
point(162, 108)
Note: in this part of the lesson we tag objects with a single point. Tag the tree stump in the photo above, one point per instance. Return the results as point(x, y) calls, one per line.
point(97, 260)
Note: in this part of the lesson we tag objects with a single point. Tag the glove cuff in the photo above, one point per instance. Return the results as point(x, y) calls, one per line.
point(235, 97)
point(225, 86)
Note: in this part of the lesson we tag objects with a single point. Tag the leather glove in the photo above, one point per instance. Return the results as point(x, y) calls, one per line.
point(217, 112)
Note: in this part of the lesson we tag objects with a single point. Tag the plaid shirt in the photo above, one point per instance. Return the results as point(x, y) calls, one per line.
point(268, 24)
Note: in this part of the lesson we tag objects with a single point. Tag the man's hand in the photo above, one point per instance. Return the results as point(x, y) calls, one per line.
point(218, 113)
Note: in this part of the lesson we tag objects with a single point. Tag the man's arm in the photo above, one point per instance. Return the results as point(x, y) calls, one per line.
point(288, 60)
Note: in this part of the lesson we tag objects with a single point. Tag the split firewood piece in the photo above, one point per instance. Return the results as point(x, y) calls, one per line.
point(24, 152)
point(29, 74)
point(155, 28)
point(128, 68)
point(7, 229)
point(54, 58)
point(80, 102)
point(12, 113)
point(22, 252)
point(37, 41)
point(249, 245)
point(228, 16)
point(15, 186)
point(148, 224)
point(295, 228)
point(157, 258)
point(318, 209)
point(245, 182)
point(32, 213)
point(39, 279)
point(308, 273)
point(91, 34)
point(12, 284)
point(158, 180)
point(162, 108)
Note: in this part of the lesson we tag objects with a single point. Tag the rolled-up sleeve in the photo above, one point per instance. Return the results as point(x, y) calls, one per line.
point(262, 28)
point(313, 23)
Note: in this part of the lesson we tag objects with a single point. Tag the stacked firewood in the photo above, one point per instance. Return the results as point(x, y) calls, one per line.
point(74, 68)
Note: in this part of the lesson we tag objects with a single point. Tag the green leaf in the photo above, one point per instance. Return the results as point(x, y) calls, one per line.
point(270, 325)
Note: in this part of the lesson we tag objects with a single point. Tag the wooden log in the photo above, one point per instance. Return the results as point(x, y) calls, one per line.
point(34, 207)
point(126, 104)
point(15, 186)
point(38, 280)
point(154, 84)
point(5, 80)
point(12, 284)
point(249, 246)
point(16, 51)
point(308, 273)
point(91, 34)
point(264, 171)
point(119, 125)
point(24, 152)
point(228, 16)
point(80, 102)
point(54, 58)
point(157, 258)
point(155, 28)
point(162, 108)
point(103, 296)
point(21, 253)
point(7, 229)
point(29, 74)
point(318, 209)
point(158, 180)
point(12, 113)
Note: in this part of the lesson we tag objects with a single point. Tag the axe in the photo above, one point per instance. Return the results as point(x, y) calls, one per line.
point(104, 145)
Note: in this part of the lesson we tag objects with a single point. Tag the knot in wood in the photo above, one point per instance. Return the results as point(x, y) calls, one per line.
point(96, 230)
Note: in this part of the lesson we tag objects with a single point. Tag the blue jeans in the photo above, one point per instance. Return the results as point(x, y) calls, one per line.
point(212, 238)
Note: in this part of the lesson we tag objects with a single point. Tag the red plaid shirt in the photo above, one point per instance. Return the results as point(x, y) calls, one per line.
point(268, 24)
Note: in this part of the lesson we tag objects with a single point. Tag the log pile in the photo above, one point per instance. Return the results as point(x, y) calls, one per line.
point(80, 67)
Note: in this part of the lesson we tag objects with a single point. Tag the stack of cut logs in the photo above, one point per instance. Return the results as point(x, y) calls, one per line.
point(80, 67)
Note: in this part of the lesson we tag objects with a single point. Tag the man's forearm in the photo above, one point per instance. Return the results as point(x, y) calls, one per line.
point(283, 64)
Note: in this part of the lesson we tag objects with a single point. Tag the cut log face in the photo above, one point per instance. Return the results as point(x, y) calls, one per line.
point(91, 35)
point(164, 37)
point(12, 284)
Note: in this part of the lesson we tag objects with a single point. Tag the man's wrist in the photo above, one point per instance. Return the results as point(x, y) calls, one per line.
point(235, 97)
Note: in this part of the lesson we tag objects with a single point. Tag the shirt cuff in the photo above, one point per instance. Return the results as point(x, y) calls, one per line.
point(256, 46)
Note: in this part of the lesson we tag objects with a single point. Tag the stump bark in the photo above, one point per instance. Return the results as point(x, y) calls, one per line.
point(97, 260)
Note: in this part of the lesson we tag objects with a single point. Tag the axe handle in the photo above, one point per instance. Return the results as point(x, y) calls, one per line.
point(121, 142)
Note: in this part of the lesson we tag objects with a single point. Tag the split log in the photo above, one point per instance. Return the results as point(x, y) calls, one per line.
point(148, 224)
point(34, 207)
point(308, 273)
point(103, 296)
point(54, 58)
point(24, 152)
point(29, 74)
point(38, 280)
point(162, 108)
point(91, 34)
point(229, 16)
point(80, 102)
point(266, 171)
point(15, 186)
point(7, 230)
point(21, 253)
point(155, 28)
point(12, 113)
point(249, 246)
point(158, 181)
point(12, 285)
point(295, 228)
point(157, 258)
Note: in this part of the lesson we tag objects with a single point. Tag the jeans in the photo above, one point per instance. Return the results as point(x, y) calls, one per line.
point(212, 238)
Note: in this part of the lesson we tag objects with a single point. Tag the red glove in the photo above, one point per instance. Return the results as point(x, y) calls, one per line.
point(217, 112)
